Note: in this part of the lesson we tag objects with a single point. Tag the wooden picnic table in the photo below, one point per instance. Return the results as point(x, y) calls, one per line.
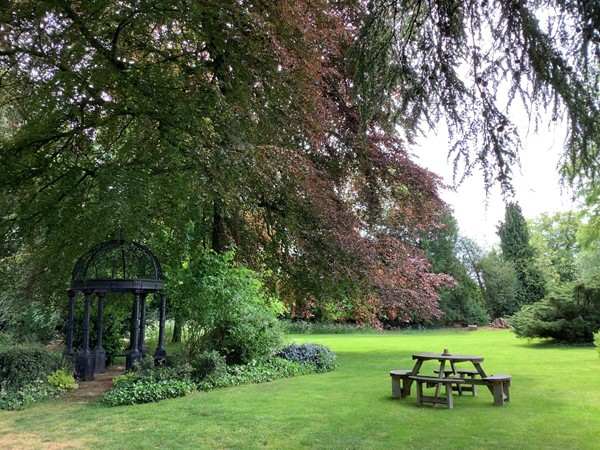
point(449, 377)
point(445, 357)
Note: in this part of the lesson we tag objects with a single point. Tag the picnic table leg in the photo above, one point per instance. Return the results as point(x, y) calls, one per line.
point(482, 374)
point(449, 396)
point(417, 367)
point(458, 386)
point(440, 375)
point(498, 391)
point(420, 394)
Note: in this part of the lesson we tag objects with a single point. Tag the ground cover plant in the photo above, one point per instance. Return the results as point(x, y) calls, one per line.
point(555, 404)
point(148, 382)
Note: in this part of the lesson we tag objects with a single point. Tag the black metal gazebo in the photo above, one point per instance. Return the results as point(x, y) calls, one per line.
point(114, 266)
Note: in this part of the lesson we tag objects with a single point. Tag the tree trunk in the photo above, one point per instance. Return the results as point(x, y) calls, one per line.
point(177, 331)
point(219, 234)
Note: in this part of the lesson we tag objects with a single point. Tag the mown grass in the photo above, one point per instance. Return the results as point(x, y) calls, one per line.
point(555, 405)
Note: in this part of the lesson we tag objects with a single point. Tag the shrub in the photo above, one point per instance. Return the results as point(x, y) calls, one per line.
point(318, 355)
point(146, 391)
point(6, 339)
point(227, 308)
point(597, 341)
point(32, 322)
point(13, 398)
point(568, 314)
point(208, 363)
point(24, 375)
point(23, 365)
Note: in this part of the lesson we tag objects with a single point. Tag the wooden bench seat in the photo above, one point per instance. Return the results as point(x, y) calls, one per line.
point(437, 382)
point(499, 385)
point(400, 383)
point(467, 375)
point(463, 374)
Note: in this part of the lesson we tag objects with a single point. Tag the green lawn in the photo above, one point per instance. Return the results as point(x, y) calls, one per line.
point(555, 404)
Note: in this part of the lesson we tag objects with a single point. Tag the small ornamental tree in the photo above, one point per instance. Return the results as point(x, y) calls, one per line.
point(226, 309)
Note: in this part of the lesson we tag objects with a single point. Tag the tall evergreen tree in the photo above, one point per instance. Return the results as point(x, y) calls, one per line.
point(502, 288)
point(516, 249)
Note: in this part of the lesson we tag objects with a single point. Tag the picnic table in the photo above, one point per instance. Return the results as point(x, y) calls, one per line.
point(450, 378)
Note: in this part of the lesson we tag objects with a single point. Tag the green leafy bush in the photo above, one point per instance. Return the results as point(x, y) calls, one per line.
point(24, 372)
point(269, 370)
point(6, 339)
point(208, 363)
point(146, 391)
point(597, 341)
point(61, 379)
point(318, 355)
point(30, 321)
point(227, 309)
point(22, 365)
point(12, 398)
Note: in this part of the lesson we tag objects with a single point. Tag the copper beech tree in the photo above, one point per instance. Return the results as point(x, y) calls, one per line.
point(234, 119)
point(273, 126)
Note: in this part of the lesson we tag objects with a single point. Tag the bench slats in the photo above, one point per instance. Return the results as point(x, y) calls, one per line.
point(436, 379)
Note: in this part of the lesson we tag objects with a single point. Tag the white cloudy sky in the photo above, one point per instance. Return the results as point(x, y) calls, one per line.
point(536, 183)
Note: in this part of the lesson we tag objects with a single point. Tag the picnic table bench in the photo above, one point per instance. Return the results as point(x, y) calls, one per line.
point(460, 380)
point(437, 382)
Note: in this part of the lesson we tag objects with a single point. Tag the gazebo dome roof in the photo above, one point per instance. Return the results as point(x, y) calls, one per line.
point(118, 266)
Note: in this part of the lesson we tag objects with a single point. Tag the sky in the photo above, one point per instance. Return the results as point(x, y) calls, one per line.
point(536, 183)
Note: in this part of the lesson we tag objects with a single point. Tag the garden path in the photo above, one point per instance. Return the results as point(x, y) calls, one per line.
point(89, 391)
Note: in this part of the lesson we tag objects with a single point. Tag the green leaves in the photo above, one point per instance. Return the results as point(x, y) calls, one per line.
point(477, 65)
point(136, 120)
point(226, 308)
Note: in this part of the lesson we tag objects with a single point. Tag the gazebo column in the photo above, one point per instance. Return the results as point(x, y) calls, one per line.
point(142, 337)
point(134, 354)
point(85, 361)
point(160, 352)
point(69, 351)
point(99, 352)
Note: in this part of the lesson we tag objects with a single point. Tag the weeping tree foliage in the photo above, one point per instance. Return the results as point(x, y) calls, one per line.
point(473, 62)
point(137, 119)
point(589, 231)
point(272, 126)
